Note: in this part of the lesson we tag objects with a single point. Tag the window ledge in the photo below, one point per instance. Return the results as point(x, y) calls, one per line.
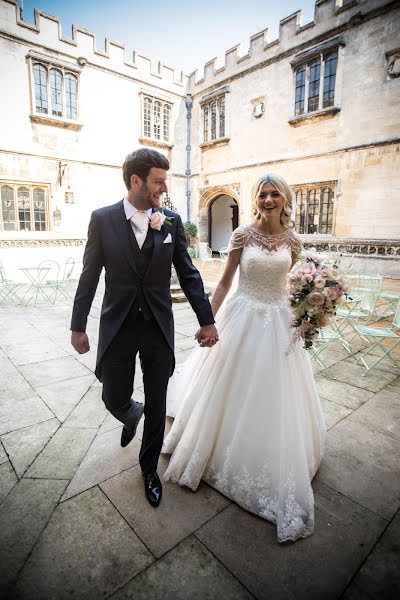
point(313, 117)
point(63, 123)
point(213, 143)
point(155, 143)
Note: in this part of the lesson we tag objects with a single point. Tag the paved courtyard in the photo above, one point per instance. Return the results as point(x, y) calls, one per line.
point(75, 523)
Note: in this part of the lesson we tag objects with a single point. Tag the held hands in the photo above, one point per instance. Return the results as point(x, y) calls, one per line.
point(80, 341)
point(207, 336)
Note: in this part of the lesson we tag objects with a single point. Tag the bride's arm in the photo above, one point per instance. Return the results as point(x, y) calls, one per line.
point(225, 282)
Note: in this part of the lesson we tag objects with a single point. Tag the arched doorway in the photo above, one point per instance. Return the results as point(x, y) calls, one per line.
point(223, 218)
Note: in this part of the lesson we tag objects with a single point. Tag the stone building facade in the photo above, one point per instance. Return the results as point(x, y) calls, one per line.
point(319, 105)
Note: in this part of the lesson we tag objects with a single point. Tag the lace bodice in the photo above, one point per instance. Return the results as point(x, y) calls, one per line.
point(264, 263)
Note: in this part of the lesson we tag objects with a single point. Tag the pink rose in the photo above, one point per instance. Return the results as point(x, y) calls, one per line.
point(319, 282)
point(315, 298)
point(157, 220)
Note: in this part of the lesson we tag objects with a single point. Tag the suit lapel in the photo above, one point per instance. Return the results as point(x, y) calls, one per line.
point(123, 234)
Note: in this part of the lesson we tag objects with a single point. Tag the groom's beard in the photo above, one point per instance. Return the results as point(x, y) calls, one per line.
point(151, 200)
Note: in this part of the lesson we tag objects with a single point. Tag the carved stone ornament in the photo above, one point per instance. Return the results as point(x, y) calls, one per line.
point(258, 110)
point(393, 64)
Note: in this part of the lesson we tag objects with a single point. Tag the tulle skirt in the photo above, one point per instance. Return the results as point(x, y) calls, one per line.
point(248, 419)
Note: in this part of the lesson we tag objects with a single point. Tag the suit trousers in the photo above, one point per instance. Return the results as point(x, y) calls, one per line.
point(139, 335)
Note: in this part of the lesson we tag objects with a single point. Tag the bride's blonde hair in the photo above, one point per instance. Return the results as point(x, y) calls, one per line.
point(282, 187)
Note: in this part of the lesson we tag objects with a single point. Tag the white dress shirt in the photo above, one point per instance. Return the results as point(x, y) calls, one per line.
point(130, 212)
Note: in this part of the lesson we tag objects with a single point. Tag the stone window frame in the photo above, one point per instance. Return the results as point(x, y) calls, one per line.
point(155, 128)
point(314, 197)
point(26, 204)
point(302, 63)
point(213, 110)
point(64, 69)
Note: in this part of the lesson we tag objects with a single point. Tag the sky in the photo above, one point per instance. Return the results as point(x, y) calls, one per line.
point(180, 33)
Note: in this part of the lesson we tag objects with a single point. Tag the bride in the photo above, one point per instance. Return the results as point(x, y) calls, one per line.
point(247, 414)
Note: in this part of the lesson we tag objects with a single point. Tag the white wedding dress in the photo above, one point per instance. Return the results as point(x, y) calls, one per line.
point(248, 418)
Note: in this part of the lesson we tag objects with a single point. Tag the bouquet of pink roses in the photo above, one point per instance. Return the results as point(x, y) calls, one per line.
point(314, 286)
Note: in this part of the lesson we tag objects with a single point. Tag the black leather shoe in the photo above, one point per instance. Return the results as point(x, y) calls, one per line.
point(127, 435)
point(152, 488)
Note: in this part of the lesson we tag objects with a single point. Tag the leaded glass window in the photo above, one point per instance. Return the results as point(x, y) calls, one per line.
point(213, 120)
point(221, 107)
point(313, 86)
point(40, 81)
point(314, 209)
point(157, 120)
point(56, 91)
point(300, 90)
point(205, 123)
point(71, 96)
point(39, 210)
point(167, 118)
point(147, 110)
point(329, 80)
point(310, 93)
point(23, 207)
point(8, 208)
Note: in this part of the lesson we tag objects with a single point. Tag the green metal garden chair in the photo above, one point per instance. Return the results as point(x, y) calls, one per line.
point(376, 336)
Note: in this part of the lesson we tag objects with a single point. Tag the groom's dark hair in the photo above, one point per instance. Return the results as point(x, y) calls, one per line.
point(140, 162)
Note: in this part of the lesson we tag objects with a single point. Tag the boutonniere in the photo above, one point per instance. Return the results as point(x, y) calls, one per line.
point(158, 219)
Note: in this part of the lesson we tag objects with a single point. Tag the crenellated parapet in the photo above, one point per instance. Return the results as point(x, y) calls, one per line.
point(46, 33)
point(330, 17)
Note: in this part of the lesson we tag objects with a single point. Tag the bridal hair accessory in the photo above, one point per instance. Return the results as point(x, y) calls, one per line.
point(158, 219)
point(315, 286)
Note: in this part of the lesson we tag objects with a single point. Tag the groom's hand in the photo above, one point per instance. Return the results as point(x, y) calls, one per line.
point(80, 341)
point(207, 335)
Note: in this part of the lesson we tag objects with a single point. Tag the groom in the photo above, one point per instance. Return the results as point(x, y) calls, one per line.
point(136, 244)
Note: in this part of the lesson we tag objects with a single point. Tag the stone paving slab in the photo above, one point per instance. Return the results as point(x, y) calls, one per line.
point(50, 371)
point(63, 454)
point(7, 369)
point(8, 479)
point(317, 567)
point(99, 553)
point(104, 459)
point(22, 413)
point(89, 412)
point(333, 413)
point(32, 351)
point(363, 465)
point(15, 387)
point(349, 372)
point(12, 329)
point(23, 516)
point(24, 445)
point(62, 397)
point(342, 393)
point(394, 386)
point(381, 413)
point(188, 571)
point(385, 365)
point(3, 455)
point(180, 513)
point(379, 577)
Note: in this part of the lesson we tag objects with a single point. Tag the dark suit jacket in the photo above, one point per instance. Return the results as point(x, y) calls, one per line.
point(109, 246)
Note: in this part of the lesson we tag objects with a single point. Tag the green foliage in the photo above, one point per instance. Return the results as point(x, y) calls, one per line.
point(190, 229)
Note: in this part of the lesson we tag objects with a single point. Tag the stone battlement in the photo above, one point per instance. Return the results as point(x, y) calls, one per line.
point(47, 33)
point(329, 17)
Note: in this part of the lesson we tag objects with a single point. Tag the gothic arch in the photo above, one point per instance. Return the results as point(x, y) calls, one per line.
point(207, 198)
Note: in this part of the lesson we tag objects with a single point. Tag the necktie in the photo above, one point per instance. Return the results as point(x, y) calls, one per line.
point(140, 222)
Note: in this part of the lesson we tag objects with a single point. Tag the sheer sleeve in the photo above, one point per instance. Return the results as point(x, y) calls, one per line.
point(238, 238)
point(295, 243)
